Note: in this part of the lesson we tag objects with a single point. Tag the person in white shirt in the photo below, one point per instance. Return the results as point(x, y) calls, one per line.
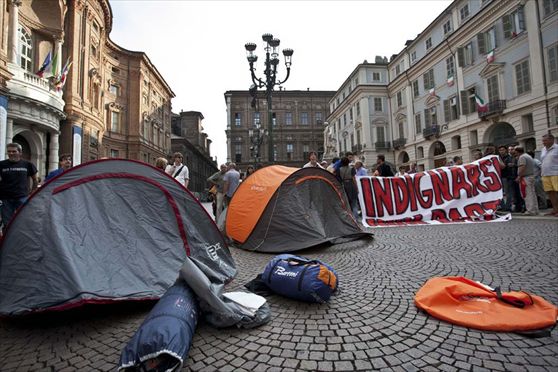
point(313, 157)
point(178, 171)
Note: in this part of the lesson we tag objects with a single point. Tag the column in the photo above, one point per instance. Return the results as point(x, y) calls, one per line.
point(58, 50)
point(9, 131)
point(53, 155)
point(13, 38)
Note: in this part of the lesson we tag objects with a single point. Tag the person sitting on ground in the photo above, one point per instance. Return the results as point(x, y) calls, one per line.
point(161, 163)
point(313, 163)
point(64, 163)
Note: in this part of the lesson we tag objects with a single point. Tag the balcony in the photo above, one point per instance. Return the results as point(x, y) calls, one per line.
point(431, 131)
point(494, 108)
point(399, 143)
point(29, 85)
point(382, 145)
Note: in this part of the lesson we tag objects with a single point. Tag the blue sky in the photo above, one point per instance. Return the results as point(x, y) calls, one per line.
point(198, 46)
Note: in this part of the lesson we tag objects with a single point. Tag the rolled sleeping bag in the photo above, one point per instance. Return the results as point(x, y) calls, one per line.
point(163, 340)
point(300, 278)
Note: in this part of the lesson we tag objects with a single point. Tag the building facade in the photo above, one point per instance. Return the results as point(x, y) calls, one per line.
point(188, 138)
point(298, 119)
point(500, 53)
point(113, 102)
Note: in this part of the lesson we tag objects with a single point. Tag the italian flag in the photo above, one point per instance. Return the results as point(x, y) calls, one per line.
point(490, 56)
point(481, 106)
point(450, 81)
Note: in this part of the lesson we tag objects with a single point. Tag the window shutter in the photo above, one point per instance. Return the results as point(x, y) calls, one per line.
point(460, 57)
point(507, 21)
point(521, 17)
point(427, 118)
point(465, 102)
point(481, 40)
point(457, 105)
point(447, 115)
point(425, 81)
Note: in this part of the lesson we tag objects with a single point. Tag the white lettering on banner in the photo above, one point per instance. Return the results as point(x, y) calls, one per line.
point(258, 188)
point(281, 272)
point(464, 193)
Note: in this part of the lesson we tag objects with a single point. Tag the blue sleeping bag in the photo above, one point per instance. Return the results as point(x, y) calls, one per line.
point(162, 341)
point(300, 278)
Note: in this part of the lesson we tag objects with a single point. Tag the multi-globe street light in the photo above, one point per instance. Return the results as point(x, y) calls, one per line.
point(269, 81)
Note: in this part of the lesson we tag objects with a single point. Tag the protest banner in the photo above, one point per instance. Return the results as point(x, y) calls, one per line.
point(456, 194)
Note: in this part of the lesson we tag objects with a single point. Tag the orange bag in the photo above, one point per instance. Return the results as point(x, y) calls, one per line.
point(468, 303)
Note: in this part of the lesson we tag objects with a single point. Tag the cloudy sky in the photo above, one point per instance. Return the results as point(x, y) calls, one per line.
point(198, 46)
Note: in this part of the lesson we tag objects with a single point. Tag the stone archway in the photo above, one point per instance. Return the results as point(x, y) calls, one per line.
point(403, 158)
point(438, 153)
point(501, 133)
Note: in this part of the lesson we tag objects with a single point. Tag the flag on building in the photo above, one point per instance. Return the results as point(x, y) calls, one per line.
point(432, 92)
point(490, 56)
point(60, 82)
point(54, 66)
point(450, 81)
point(481, 106)
point(45, 65)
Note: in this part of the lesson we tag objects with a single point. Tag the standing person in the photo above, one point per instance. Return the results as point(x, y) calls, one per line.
point(249, 171)
point(507, 178)
point(346, 175)
point(413, 168)
point(518, 202)
point(15, 177)
point(161, 163)
point(526, 171)
point(313, 161)
point(331, 167)
point(549, 171)
point(217, 179)
point(64, 163)
point(383, 169)
point(401, 172)
point(231, 181)
point(178, 171)
point(477, 154)
point(360, 170)
point(539, 190)
point(457, 160)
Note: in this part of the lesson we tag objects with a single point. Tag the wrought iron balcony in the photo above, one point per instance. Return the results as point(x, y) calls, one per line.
point(357, 148)
point(382, 145)
point(493, 108)
point(431, 131)
point(399, 143)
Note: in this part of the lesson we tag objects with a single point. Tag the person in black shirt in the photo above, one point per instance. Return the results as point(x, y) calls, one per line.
point(383, 170)
point(15, 174)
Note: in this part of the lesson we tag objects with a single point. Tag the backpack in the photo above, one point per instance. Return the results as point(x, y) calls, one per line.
point(300, 278)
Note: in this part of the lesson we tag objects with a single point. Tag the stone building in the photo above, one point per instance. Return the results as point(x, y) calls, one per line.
point(187, 137)
point(114, 102)
point(298, 119)
point(421, 106)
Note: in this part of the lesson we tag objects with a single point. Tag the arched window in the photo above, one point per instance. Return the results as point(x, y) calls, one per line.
point(439, 148)
point(25, 50)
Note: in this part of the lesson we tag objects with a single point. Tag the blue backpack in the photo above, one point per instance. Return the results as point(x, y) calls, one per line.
point(300, 278)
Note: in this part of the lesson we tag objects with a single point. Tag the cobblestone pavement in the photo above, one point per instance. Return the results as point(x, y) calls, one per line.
point(371, 324)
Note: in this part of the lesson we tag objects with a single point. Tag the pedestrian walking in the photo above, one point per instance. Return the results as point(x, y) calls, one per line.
point(16, 175)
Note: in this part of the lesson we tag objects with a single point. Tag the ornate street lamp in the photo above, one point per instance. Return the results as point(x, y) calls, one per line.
point(271, 61)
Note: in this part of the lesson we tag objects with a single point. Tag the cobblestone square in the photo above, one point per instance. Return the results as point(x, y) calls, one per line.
point(370, 324)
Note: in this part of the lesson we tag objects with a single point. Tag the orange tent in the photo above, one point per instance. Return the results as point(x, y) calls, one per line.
point(281, 209)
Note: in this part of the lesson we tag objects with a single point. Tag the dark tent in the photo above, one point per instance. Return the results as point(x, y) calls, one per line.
point(105, 231)
point(282, 209)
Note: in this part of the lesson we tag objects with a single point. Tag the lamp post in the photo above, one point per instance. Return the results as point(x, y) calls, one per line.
point(270, 80)
point(256, 138)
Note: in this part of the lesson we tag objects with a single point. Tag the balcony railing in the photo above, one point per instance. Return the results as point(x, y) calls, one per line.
point(357, 148)
point(382, 145)
point(494, 108)
point(399, 143)
point(431, 131)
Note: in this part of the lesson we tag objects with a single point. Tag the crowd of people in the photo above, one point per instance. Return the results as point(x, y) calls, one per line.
point(529, 184)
